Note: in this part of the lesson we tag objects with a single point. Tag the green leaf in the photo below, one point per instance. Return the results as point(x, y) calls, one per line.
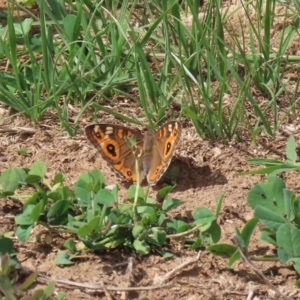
point(224, 250)
point(269, 195)
point(24, 27)
point(23, 233)
point(296, 206)
point(28, 282)
point(195, 243)
point(38, 294)
point(69, 23)
point(161, 219)
point(55, 196)
point(132, 191)
point(291, 150)
point(137, 230)
point(178, 226)
point(11, 178)
point(141, 247)
point(98, 179)
point(170, 204)
point(104, 197)
point(190, 113)
point(94, 223)
point(58, 178)
point(115, 191)
point(244, 239)
point(111, 244)
point(4, 194)
point(7, 255)
point(284, 255)
point(25, 217)
point(38, 169)
point(83, 231)
point(240, 239)
point(6, 287)
point(274, 170)
point(65, 192)
point(297, 265)
point(30, 179)
point(86, 184)
point(61, 296)
point(182, 227)
point(248, 229)
point(268, 236)
point(57, 210)
point(87, 229)
point(234, 257)
point(203, 215)
point(289, 199)
point(165, 254)
point(269, 218)
point(163, 193)
point(288, 238)
point(148, 215)
point(4, 264)
point(83, 188)
point(265, 161)
point(219, 204)
point(212, 234)
point(37, 210)
point(159, 237)
point(70, 244)
point(35, 198)
point(49, 290)
point(63, 258)
point(6, 245)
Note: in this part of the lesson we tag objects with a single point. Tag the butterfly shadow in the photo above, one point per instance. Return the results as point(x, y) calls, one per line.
point(192, 177)
point(184, 176)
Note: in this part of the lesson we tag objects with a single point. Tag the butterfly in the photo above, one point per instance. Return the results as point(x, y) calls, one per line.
point(153, 149)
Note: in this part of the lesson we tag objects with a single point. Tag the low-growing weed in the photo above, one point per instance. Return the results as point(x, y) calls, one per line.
point(277, 209)
point(93, 214)
point(9, 277)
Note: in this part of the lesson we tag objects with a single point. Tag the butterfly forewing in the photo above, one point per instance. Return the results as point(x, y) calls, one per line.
point(165, 142)
point(111, 141)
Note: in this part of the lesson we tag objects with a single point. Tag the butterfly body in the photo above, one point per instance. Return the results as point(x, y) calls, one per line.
point(153, 150)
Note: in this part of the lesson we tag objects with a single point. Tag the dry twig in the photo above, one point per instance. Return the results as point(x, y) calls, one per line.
point(129, 276)
point(17, 129)
point(258, 271)
point(106, 292)
point(93, 286)
point(177, 269)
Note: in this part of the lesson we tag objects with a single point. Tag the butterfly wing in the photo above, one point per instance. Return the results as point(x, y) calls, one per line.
point(111, 141)
point(166, 139)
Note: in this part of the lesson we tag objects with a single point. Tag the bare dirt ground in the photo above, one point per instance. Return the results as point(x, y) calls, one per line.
point(207, 169)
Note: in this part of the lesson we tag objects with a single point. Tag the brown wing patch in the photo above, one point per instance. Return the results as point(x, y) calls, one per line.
point(172, 132)
point(110, 140)
point(154, 177)
point(128, 173)
point(167, 138)
point(101, 139)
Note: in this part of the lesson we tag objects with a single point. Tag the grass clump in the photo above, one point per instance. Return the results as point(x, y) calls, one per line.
point(208, 64)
